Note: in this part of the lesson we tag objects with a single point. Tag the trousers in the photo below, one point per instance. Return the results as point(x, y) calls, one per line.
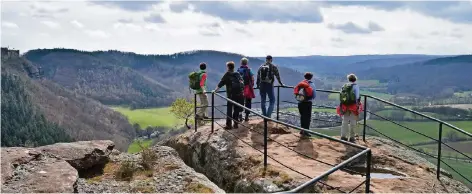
point(349, 124)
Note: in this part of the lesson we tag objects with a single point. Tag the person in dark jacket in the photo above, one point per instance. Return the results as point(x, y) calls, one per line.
point(233, 93)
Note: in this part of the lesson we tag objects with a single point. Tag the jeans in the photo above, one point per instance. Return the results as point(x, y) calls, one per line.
point(232, 111)
point(267, 89)
point(247, 104)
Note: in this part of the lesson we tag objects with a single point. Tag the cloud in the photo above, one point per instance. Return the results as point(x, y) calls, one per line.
point(351, 28)
point(51, 24)
point(77, 24)
point(125, 21)
point(456, 11)
point(212, 29)
point(133, 6)
point(9, 25)
point(154, 18)
point(96, 33)
point(280, 12)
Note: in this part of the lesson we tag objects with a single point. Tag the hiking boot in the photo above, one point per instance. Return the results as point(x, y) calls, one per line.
point(352, 140)
point(344, 138)
point(246, 118)
point(235, 126)
point(227, 127)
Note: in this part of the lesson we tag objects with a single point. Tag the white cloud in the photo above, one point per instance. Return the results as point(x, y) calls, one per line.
point(77, 24)
point(110, 27)
point(9, 25)
point(51, 24)
point(96, 33)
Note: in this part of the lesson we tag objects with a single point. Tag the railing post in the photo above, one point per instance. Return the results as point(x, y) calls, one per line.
point(195, 111)
point(438, 170)
point(365, 118)
point(278, 101)
point(367, 175)
point(212, 112)
point(265, 142)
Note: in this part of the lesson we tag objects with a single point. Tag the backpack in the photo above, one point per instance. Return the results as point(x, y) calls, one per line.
point(303, 91)
point(245, 74)
point(347, 95)
point(237, 83)
point(266, 72)
point(194, 80)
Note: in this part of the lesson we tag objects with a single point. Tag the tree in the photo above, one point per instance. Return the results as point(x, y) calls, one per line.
point(183, 109)
point(452, 136)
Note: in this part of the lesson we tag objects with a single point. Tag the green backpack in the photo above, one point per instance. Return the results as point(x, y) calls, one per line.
point(194, 80)
point(347, 96)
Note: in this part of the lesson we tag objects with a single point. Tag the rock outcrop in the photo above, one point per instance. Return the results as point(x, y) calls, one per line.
point(96, 167)
point(236, 166)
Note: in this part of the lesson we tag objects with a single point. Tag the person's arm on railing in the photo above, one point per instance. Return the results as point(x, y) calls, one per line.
point(221, 83)
point(277, 75)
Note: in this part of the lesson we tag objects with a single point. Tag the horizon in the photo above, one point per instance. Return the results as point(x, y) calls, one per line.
point(309, 28)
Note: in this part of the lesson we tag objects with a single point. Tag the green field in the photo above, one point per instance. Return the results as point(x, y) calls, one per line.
point(409, 115)
point(462, 167)
point(158, 117)
point(428, 128)
point(466, 94)
point(134, 147)
point(314, 109)
point(463, 147)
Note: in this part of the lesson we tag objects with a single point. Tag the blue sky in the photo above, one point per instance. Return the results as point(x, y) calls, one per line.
point(255, 28)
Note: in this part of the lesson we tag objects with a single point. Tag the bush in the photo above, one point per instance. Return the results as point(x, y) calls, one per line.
point(148, 157)
point(126, 171)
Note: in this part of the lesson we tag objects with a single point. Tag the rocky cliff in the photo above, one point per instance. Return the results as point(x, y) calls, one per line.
point(229, 159)
point(95, 167)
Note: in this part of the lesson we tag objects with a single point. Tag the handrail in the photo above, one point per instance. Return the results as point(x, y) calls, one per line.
point(292, 126)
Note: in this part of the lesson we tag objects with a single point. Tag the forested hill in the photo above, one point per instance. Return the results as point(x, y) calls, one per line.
point(124, 78)
point(40, 112)
point(436, 77)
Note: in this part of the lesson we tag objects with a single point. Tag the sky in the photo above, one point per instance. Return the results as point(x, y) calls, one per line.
point(252, 28)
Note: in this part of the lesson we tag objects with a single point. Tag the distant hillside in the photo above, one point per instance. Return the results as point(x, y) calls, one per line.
point(38, 112)
point(436, 77)
point(124, 78)
point(336, 65)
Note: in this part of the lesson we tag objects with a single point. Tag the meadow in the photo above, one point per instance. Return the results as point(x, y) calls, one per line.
point(134, 147)
point(384, 96)
point(157, 117)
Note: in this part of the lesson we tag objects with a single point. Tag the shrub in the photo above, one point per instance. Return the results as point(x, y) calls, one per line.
point(148, 157)
point(126, 171)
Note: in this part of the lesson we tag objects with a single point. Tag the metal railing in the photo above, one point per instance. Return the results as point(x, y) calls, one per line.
point(366, 98)
point(366, 152)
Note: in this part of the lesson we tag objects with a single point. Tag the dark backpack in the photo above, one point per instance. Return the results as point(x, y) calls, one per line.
point(266, 72)
point(347, 96)
point(194, 80)
point(245, 74)
point(237, 83)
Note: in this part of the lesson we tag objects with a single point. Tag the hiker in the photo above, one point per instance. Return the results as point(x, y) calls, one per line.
point(305, 93)
point(198, 83)
point(248, 92)
point(349, 108)
point(265, 83)
point(234, 91)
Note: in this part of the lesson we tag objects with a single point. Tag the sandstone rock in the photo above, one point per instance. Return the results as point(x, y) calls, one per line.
point(83, 154)
point(37, 174)
point(237, 167)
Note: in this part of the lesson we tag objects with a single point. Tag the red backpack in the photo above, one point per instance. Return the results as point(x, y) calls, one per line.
point(303, 91)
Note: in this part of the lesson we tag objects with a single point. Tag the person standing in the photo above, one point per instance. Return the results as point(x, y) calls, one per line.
point(248, 92)
point(305, 93)
point(265, 83)
point(234, 91)
point(349, 108)
point(201, 91)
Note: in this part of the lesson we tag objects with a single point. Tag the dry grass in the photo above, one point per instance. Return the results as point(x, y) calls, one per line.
point(126, 171)
point(148, 157)
point(197, 188)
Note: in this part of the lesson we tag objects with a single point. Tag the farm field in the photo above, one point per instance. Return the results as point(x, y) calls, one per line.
point(134, 147)
point(376, 94)
point(462, 167)
point(406, 136)
point(409, 115)
point(464, 147)
point(462, 106)
point(158, 117)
